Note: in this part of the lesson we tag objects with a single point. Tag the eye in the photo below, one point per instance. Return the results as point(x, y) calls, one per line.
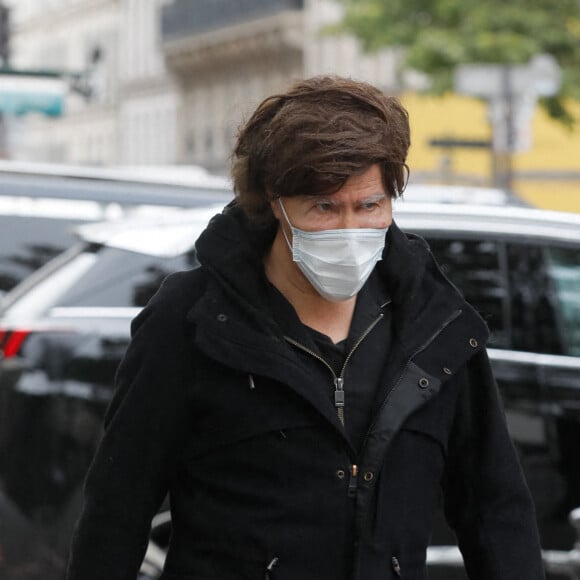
point(370, 205)
point(323, 206)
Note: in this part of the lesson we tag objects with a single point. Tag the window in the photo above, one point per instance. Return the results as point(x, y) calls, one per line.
point(120, 278)
point(563, 268)
point(28, 242)
point(529, 295)
point(533, 310)
point(474, 266)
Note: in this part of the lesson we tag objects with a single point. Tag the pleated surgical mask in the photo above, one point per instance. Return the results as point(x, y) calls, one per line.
point(336, 262)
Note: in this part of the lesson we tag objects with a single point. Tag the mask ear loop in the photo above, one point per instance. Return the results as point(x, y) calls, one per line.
point(288, 221)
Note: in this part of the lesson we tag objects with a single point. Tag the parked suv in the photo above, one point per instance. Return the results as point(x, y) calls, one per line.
point(64, 331)
point(41, 203)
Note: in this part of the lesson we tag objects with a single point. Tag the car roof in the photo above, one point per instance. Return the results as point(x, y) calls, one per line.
point(187, 175)
point(173, 233)
point(168, 235)
point(169, 185)
point(458, 194)
point(504, 221)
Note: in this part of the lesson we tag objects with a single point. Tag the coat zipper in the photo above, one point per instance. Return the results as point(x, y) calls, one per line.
point(352, 481)
point(338, 381)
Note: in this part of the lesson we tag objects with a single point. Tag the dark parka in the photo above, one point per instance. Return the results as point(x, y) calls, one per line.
point(216, 407)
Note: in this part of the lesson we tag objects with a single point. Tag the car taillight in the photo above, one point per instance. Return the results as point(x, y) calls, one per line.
point(11, 342)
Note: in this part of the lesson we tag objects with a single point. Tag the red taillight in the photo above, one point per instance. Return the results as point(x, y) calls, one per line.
point(11, 341)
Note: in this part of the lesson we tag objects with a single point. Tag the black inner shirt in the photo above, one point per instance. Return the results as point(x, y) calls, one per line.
point(362, 376)
point(333, 353)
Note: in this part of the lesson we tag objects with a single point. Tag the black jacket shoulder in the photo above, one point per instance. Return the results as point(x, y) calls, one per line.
point(176, 296)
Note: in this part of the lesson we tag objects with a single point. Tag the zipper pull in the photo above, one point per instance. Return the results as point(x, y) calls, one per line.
point(352, 480)
point(339, 392)
point(270, 567)
point(339, 398)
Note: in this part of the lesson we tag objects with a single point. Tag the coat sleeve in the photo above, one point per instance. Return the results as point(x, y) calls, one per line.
point(486, 499)
point(145, 427)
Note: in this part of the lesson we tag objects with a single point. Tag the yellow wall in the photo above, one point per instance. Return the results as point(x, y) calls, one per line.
point(554, 148)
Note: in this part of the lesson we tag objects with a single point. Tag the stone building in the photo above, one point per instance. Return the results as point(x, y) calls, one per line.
point(229, 54)
point(72, 36)
point(173, 79)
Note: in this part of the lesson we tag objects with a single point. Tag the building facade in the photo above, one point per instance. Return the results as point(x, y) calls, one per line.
point(173, 79)
point(230, 54)
point(72, 36)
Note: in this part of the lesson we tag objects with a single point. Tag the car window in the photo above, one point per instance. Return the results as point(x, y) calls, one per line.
point(119, 278)
point(95, 276)
point(563, 265)
point(528, 294)
point(28, 242)
point(533, 310)
point(475, 267)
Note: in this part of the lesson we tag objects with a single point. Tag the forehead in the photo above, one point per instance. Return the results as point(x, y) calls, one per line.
point(368, 183)
point(367, 186)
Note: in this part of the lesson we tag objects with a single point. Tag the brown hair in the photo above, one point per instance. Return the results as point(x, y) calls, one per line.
point(312, 138)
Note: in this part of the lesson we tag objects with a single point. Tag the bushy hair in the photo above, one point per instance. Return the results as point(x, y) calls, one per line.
point(312, 138)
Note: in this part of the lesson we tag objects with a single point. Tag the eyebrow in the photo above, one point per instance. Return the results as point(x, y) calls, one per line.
point(375, 197)
point(369, 199)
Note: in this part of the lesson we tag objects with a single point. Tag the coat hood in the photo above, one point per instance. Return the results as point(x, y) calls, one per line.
point(232, 249)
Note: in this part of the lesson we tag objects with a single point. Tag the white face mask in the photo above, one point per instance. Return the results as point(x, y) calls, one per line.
point(336, 262)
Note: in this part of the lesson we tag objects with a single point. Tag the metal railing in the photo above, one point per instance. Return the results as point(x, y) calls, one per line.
point(184, 18)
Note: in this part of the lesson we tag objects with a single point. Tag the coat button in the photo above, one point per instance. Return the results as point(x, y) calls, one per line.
point(447, 371)
point(340, 473)
point(222, 317)
point(423, 383)
point(368, 476)
point(473, 342)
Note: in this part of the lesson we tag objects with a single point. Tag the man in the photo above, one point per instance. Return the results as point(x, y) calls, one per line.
point(311, 393)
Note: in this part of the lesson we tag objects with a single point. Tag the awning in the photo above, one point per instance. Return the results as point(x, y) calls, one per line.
point(20, 95)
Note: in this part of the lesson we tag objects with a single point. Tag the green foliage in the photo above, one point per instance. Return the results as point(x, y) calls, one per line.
point(440, 34)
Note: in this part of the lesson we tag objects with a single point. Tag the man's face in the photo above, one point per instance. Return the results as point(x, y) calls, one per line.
point(361, 202)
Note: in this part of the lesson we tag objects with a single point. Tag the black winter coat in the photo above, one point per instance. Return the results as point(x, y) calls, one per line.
point(214, 406)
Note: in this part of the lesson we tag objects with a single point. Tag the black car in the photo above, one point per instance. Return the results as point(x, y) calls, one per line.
point(41, 204)
point(64, 331)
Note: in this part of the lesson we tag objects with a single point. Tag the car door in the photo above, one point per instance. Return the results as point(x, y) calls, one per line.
point(545, 286)
point(528, 292)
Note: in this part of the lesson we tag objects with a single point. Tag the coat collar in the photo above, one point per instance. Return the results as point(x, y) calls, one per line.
point(423, 299)
point(232, 249)
point(235, 325)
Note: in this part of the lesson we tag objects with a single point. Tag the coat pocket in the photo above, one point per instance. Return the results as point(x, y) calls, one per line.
point(418, 455)
point(249, 462)
point(242, 431)
point(431, 425)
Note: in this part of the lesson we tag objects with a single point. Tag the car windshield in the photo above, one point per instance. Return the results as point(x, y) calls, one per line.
point(98, 276)
point(29, 242)
point(119, 278)
point(564, 270)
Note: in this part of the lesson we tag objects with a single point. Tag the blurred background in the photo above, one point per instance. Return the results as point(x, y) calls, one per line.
point(492, 88)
